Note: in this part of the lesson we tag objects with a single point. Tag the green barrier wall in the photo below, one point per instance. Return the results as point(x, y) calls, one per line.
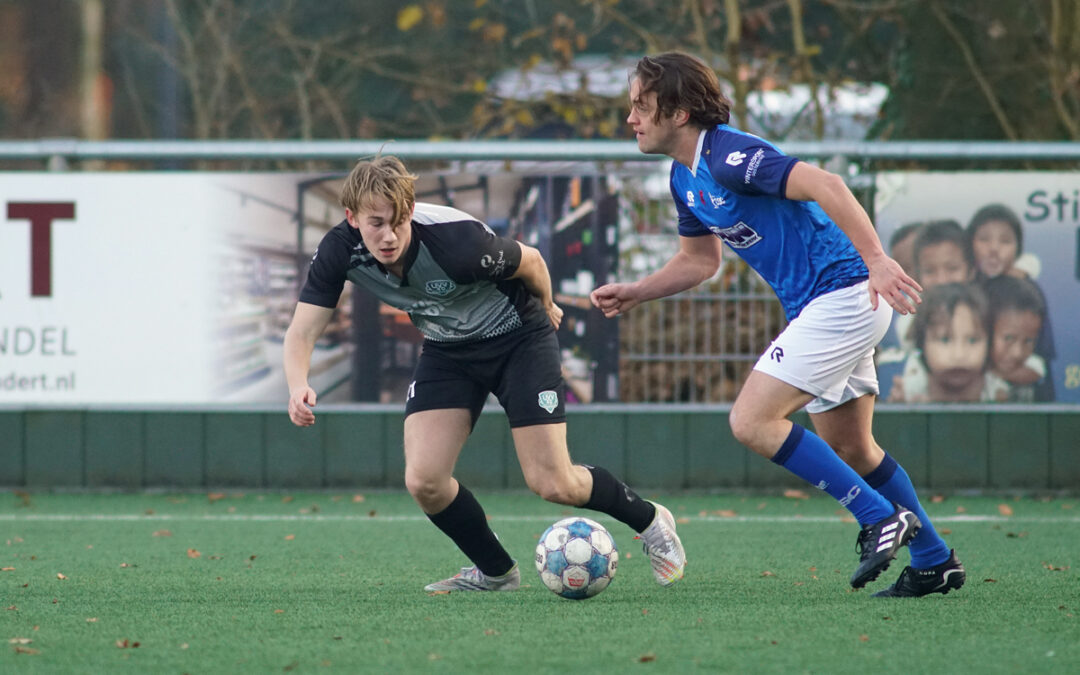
point(658, 447)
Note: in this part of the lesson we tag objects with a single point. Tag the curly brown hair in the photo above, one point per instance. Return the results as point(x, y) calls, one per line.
point(683, 82)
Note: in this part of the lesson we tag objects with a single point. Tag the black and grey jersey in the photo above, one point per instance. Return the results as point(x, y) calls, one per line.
point(455, 285)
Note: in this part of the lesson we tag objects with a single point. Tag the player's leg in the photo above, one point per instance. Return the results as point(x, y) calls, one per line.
point(433, 441)
point(530, 387)
point(848, 429)
point(441, 408)
point(759, 420)
point(811, 364)
point(549, 472)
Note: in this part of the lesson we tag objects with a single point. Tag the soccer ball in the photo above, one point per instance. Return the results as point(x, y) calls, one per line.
point(576, 558)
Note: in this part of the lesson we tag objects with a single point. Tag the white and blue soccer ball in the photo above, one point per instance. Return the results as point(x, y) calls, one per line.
point(576, 558)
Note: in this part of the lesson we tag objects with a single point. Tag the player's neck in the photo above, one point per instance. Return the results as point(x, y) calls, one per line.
point(685, 146)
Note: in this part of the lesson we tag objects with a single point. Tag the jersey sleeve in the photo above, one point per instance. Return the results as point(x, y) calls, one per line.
point(326, 273)
point(469, 252)
point(748, 165)
point(689, 225)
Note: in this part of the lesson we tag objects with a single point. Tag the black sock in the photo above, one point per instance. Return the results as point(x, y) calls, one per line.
point(613, 497)
point(465, 523)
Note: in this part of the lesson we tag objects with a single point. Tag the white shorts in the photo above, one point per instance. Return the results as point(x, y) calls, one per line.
point(828, 350)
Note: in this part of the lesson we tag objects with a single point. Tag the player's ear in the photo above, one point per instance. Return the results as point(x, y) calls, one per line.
point(681, 116)
point(351, 217)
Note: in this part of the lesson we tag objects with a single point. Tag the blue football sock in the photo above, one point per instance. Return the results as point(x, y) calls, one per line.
point(890, 479)
point(810, 458)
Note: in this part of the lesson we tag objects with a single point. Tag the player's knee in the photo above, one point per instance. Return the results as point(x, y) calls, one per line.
point(742, 427)
point(424, 488)
point(553, 489)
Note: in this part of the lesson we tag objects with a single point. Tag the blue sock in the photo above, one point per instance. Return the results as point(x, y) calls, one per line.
point(890, 479)
point(810, 458)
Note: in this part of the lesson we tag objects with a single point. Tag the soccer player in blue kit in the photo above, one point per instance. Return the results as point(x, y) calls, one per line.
point(804, 232)
point(484, 305)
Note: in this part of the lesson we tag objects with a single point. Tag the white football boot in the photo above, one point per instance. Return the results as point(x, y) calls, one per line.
point(663, 547)
point(472, 579)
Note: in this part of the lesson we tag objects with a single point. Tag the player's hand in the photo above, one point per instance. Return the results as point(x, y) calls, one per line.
point(299, 412)
point(888, 280)
point(613, 299)
point(555, 315)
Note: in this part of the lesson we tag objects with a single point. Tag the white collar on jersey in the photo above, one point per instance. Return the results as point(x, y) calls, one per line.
point(697, 152)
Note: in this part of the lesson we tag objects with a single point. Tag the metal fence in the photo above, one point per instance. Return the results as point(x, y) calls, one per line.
point(694, 347)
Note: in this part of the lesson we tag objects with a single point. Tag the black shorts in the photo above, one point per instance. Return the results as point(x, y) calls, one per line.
point(521, 368)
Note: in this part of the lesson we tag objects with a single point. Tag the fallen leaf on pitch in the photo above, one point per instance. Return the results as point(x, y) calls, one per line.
point(1016, 535)
point(439, 593)
point(796, 494)
point(92, 619)
point(647, 658)
point(1055, 568)
point(290, 537)
point(989, 581)
point(864, 638)
point(60, 576)
point(279, 611)
point(767, 573)
point(682, 520)
point(215, 496)
point(937, 499)
point(26, 650)
point(286, 499)
point(726, 513)
point(371, 513)
point(945, 530)
point(124, 644)
point(162, 533)
point(192, 553)
point(961, 509)
point(358, 499)
point(491, 631)
point(1005, 509)
point(19, 641)
point(7, 569)
point(12, 608)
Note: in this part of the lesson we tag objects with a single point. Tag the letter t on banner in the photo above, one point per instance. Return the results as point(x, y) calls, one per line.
point(41, 215)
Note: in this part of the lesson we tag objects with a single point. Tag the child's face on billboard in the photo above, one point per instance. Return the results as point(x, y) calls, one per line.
point(1015, 333)
point(942, 263)
point(995, 247)
point(955, 348)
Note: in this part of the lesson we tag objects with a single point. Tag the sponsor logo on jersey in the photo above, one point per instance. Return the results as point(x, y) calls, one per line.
point(735, 158)
point(739, 235)
point(494, 266)
point(752, 167)
point(717, 202)
point(689, 197)
point(548, 400)
point(440, 287)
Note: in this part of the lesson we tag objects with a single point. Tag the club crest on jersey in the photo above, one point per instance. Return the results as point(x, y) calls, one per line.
point(440, 287)
point(739, 235)
point(548, 400)
point(689, 197)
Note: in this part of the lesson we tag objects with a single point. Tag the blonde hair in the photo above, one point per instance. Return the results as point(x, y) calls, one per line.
point(383, 176)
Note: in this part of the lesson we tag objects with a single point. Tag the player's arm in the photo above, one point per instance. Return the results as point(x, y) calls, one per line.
point(887, 278)
point(533, 272)
point(698, 259)
point(308, 323)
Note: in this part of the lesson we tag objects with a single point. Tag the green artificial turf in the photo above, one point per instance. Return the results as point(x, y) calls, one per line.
point(313, 583)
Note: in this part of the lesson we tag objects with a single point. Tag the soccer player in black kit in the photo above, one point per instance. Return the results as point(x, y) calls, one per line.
point(484, 305)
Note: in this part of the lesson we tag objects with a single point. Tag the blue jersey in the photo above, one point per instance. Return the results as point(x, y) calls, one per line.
point(735, 190)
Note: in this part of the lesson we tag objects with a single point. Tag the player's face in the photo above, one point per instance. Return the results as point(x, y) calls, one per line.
point(386, 240)
point(942, 263)
point(1015, 332)
point(995, 247)
point(955, 349)
point(653, 136)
